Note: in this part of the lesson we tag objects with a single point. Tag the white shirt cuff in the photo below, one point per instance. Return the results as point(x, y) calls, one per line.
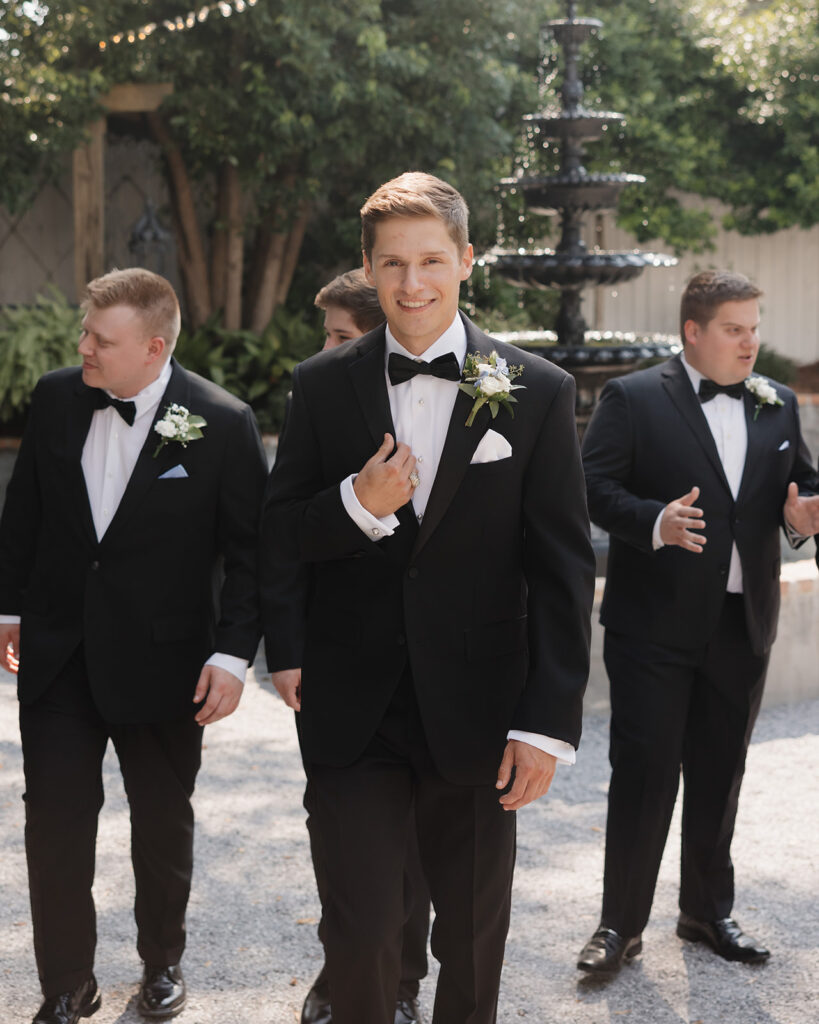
point(9, 620)
point(564, 752)
point(230, 663)
point(657, 541)
point(376, 529)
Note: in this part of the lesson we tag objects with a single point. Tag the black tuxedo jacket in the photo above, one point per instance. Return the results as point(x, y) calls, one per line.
point(489, 598)
point(649, 443)
point(143, 599)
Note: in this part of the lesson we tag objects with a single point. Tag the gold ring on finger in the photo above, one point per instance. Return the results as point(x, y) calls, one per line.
point(414, 479)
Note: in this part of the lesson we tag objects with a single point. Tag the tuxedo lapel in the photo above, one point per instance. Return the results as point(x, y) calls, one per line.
point(678, 387)
point(459, 447)
point(77, 426)
point(370, 385)
point(148, 468)
point(758, 431)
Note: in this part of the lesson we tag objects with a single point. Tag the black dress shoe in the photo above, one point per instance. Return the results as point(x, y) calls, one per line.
point(316, 1009)
point(606, 950)
point(68, 1007)
point(407, 1011)
point(162, 993)
point(725, 937)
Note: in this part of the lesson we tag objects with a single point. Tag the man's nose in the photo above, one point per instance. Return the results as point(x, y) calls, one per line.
point(412, 281)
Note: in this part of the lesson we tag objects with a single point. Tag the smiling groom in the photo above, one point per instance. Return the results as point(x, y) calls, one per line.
point(447, 640)
point(110, 538)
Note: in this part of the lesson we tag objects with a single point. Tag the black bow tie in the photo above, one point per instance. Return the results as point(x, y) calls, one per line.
point(709, 389)
point(127, 410)
point(402, 368)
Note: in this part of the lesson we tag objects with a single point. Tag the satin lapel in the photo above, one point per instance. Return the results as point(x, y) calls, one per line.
point(148, 468)
point(77, 425)
point(757, 432)
point(678, 386)
point(370, 385)
point(459, 447)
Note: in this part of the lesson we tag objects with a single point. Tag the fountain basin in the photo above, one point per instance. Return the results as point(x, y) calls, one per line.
point(572, 190)
point(600, 348)
point(580, 123)
point(545, 268)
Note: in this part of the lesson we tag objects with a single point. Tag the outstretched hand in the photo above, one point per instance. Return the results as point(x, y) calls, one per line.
point(223, 691)
point(10, 646)
point(680, 519)
point(534, 771)
point(384, 485)
point(802, 512)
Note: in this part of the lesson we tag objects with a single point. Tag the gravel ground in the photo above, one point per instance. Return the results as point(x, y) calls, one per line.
point(253, 951)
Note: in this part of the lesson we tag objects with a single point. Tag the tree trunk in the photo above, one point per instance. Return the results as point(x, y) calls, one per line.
point(235, 249)
point(269, 273)
point(292, 250)
point(190, 246)
point(218, 244)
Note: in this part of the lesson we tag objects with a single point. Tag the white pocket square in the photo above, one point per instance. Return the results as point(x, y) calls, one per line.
point(784, 445)
point(175, 474)
point(492, 448)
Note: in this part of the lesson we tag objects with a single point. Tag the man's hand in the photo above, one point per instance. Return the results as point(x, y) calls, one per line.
point(10, 646)
point(802, 512)
point(288, 683)
point(680, 518)
point(223, 691)
point(534, 771)
point(384, 486)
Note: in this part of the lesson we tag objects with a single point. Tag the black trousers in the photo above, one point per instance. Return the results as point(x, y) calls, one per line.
point(362, 816)
point(414, 964)
point(64, 740)
point(671, 708)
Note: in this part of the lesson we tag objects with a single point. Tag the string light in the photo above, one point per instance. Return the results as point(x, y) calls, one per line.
point(180, 23)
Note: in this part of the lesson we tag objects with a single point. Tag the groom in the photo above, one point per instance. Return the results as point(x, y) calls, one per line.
point(446, 648)
point(117, 515)
point(692, 467)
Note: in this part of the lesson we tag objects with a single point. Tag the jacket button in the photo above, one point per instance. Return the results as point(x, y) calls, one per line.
point(401, 640)
point(412, 573)
point(95, 565)
point(723, 569)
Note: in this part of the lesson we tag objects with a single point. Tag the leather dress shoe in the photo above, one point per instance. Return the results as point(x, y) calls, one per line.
point(68, 1007)
point(606, 950)
point(407, 1011)
point(316, 1009)
point(162, 993)
point(725, 937)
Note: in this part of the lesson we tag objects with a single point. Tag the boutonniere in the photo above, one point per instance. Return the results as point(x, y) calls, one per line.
point(489, 381)
point(178, 425)
point(763, 392)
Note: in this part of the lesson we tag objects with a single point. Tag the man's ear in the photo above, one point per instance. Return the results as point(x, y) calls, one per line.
point(467, 259)
point(691, 332)
point(368, 270)
point(156, 349)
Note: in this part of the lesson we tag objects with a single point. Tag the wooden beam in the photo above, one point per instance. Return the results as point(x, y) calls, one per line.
point(89, 191)
point(136, 97)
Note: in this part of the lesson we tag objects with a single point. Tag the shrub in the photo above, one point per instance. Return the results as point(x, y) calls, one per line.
point(33, 340)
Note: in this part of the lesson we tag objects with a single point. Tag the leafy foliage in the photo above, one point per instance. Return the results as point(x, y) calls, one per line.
point(255, 367)
point(33, 340)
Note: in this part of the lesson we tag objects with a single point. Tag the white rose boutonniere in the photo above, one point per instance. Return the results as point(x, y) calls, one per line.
point(763, 392)
point(488, 379)
point(178, 425)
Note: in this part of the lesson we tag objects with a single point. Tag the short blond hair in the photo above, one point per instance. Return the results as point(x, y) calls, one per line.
point(353, 293)
point(416, 194)
point(150, 295)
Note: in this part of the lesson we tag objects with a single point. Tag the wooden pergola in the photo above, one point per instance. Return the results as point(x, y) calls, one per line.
point(89, 177)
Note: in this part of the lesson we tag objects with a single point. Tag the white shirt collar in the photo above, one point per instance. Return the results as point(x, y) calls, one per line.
point(452, 340)
point(694, 374)
point(148, 398)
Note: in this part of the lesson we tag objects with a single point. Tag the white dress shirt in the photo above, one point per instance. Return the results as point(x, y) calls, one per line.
point(726, 420)
point(109, 455)
point(421, 410)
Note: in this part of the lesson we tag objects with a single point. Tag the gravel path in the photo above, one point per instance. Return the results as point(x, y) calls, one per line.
point(252, 947)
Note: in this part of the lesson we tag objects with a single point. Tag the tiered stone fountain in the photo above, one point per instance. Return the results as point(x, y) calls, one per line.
point(592, 357)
